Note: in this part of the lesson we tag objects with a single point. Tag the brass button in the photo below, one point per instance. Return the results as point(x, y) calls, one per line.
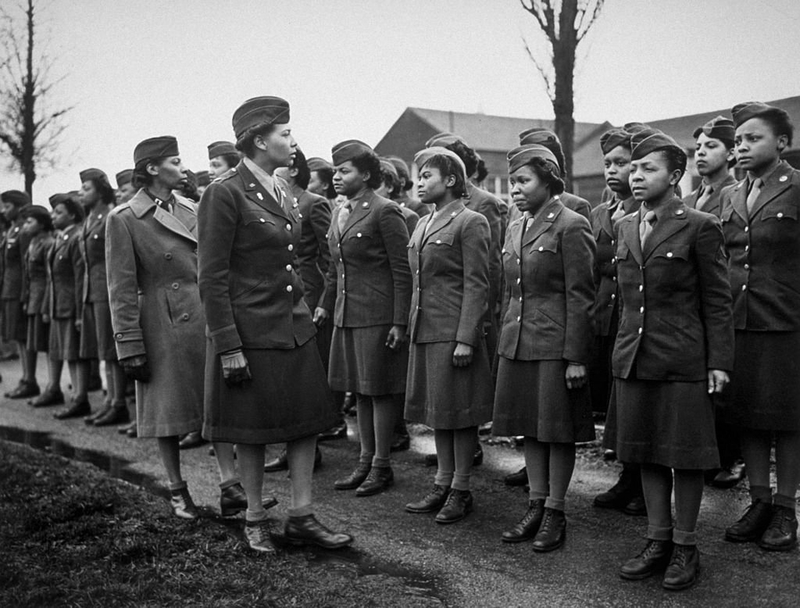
point(175, 286)
point(289, 288)
point(288, 268)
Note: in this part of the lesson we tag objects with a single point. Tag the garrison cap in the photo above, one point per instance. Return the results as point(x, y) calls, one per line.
point(16, 198)
point(202, 178)
point(58, 198)
point(635, 127)
point(258, 110)
point(400, 165)
point(742, 112)
point(155, 147)
point(124, 177)
point(40, 214)
point(522, 155)
point(613, 138)
point(347, 149)
point(649, 140)
point(718, 127)
point(444, 139)
point(315, 163)
point(218, 148)
point(422, 157)
point(88, 174)
point(543, 137)
point(388, 167)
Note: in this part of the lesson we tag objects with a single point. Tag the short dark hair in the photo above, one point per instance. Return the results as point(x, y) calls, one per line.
point(466, 154)
point(781, 123)
point(104, 188)
point(676, 158)
point(230, 159)
point(546, 172)
point(300, 164)
point(141, 178)
point(246, 141)
point(392, 182)
point(326, 175)
point(447, 166)
point(40, 214)
point(481, 172)
point(368, 162)
point(73, 207)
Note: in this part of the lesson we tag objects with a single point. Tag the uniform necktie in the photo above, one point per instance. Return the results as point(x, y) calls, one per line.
point(344, 213)
point(619, 212)
point(165, 205)
point(755, 190)
point(646, 226)
point(702, 200)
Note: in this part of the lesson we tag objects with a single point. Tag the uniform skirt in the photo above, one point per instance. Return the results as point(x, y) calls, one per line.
point(362, 363)
point(443, 396)
point(765, 385)
point(14, 321)
point(38, 334)
point(97, 336)
point(532, 399)
point(287, 399)
point(665, 423)
point(64, 340)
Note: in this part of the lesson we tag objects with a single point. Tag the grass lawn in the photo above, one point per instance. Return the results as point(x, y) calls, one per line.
point(72, 536)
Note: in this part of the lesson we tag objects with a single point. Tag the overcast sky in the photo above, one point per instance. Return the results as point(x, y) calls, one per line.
point(139, 68)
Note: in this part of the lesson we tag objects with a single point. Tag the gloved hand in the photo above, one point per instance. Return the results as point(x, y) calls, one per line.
point(136, 368)
point(235, 370)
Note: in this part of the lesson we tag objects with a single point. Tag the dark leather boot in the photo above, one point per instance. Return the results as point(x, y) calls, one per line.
point(621, 493)
point(552, 531)
point(520, 478)
point(781, 533)
point(378, 480)
point(307, 530)
point(432, 501)
point(116, 415)
point(752, 524)
point(355, 479)
point(653, 558)
point(76, 410)
point(683, 569)
point(457, 507)
point(528, 526)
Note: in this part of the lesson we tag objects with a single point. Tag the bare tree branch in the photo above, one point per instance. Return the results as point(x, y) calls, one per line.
point(543, 71)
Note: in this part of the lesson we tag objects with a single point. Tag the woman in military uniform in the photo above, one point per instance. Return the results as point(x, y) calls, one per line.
point(265, 382)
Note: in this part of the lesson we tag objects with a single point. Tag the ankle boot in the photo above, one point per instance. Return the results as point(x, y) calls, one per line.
point(552, 532)
point(683, 569)
point(456, 508)
point(529, 525)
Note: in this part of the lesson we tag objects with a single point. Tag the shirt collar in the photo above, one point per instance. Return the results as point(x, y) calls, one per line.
point(264, 178)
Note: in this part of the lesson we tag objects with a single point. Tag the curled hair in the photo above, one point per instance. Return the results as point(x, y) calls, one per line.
point(104, 189)
point(230, 159)
point(300, 164)
point(466, 154)
point(40, 214)
point(141, 178)
point(368, 162)
point(447, 166)
point(548, 174)
point(246, 142)
point(326, 176)
point(781, 123)
point(676, 159)
point(73, 207)
point(481, 172)
point(392, 182)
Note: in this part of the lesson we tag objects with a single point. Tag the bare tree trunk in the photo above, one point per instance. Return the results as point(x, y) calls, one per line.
point(28, 108)
point(564, 64)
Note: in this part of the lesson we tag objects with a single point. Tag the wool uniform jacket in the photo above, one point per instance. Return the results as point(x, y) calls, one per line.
point(34, 297)
point(764, 249)
point(489, 207)
point(313, 255)
point(251, 291)
point(65, 272)
point(93, 250)
point(410, 218)
point(713, 204)
point(605, 271)
point(549, 287)
point(450, 270)
point(369, 282)
point(15, 244)
point(415, 205)
point(571, 201)
point(675, 310)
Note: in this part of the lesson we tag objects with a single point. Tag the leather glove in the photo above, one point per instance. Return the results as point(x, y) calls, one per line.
point(235, 370)
point(136, 368)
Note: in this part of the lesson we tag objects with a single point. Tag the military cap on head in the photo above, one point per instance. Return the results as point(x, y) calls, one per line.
point(202, 178)
point(718, 127)
point(88, 174)
point(260, 110)
point(422, 157)
point(16, 198)
point(218, 148)
point(635, 127)
point(155, 147)
point(400, 165)
point(347, 149)
point(522, 155)
point(614, 138)
point(388, 167)
point(124, 177)
point(315, 163)
point(742, 112)
point(543, 137)
point(649, 140)
point(444, 139)
point(58, 198)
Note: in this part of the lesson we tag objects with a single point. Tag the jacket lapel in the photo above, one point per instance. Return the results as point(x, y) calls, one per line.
point(671, 220)
point(257, 193)
point(739, 200)
point(442, 220)
point(629, 232)
point(775, 185)
point(141, 203)
point(362, 207)
point(542, 222)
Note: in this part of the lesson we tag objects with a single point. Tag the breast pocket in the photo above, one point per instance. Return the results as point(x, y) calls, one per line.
point(623, 251)
point(673, 252)
point(443, 239)
point(544, 247)
point(252, 219)
point(780, 212)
